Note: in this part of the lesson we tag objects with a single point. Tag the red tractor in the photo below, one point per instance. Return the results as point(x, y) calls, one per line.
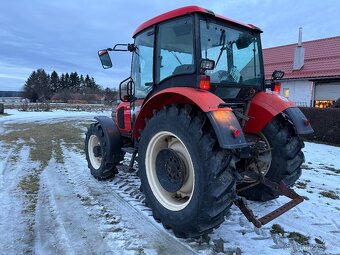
point(196, 111)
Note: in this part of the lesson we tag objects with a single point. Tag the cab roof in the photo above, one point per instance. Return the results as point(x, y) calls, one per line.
point(186, 10)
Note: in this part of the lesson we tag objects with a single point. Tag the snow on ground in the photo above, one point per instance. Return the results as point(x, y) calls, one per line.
point(59, 208)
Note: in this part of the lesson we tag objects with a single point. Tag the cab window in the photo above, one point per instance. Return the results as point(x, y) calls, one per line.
point(142, 63)
point(175, 48)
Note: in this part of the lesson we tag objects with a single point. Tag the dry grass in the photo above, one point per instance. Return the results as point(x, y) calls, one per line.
point(277, 229)
point(45, 140)
point(30, 185)
point(299, 238)
point(330, 194)
point(300, 185)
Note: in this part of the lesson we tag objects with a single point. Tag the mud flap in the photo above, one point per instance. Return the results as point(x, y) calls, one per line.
point(300, 122)
point(224, 124)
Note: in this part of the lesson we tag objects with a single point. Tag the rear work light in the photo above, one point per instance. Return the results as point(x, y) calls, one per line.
point(205, 82)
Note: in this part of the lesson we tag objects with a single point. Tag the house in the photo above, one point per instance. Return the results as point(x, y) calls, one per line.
point(312, 71)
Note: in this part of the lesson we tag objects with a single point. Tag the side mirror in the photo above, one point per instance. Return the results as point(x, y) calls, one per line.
point(127, 90)
point(105, 59)
point(243, 41)
point(277, 74)
point(207, 64)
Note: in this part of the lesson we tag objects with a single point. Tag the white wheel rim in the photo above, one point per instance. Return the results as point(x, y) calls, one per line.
point(180, 199)
point(95, 161)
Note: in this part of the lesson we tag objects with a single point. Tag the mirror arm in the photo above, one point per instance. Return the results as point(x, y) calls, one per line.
point(130, 47)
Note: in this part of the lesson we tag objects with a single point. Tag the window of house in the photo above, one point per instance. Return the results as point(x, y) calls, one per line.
point(286, 92)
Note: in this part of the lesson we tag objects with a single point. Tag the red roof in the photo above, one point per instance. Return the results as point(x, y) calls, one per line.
point(183, 11)
point(322, 59)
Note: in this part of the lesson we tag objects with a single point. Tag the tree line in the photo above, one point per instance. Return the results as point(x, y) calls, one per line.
point(41, 86)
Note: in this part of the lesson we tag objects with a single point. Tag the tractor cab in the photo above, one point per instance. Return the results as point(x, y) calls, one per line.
point(193, 47)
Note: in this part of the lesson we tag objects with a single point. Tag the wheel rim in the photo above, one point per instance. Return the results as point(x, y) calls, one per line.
point(95, 161)
point(263, 160)
point(180, 199)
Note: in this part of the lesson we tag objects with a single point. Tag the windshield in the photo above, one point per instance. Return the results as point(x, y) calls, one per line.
point(236, 56)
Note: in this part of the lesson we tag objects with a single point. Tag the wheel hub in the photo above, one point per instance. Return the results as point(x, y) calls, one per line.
point(260, 161)
point(170, 170)
point(97, 151)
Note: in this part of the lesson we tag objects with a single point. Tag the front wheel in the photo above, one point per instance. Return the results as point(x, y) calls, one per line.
point(279, 158)
point(97, 156)
point(187, 179)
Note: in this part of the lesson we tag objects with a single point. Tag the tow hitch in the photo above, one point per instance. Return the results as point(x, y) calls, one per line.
point(282, 189)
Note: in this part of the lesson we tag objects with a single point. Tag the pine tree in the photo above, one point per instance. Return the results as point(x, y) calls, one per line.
point(82, 83)
point(87, 81)
point(67, 81)
point(74, 81)
point(37, 86)
point(94, 85)
point(62, 82)
point(29, 90)
point(54, 82)
point(43, 85)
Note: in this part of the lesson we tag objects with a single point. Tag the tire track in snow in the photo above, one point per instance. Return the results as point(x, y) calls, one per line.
point(142, 232)
point(3, 166)
point(62, 224)
point(15, 236)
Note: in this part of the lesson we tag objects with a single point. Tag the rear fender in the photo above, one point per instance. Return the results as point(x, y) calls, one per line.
point(266, 105)
point(115, 140)
point(223, 120)
point(301, 123)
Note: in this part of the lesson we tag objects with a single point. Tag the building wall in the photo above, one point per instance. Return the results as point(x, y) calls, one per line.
point(300, 91)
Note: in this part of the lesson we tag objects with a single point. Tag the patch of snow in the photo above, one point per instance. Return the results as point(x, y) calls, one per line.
point(78, 214)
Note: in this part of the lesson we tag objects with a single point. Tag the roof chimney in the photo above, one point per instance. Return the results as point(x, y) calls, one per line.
point(299, 53)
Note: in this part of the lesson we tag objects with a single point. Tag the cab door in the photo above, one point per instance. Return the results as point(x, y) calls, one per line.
point(142, 70)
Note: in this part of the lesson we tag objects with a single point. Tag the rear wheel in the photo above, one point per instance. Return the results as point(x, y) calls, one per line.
point(97, 156)
point(187, 179)
point(279, 158)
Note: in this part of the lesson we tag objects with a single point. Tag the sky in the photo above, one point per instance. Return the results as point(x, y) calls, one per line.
point(65, 35)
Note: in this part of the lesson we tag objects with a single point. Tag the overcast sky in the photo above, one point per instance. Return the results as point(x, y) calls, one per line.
point(66, 35)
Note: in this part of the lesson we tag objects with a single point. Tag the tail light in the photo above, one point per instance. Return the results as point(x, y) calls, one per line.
point(307, 123)
point(277, 87)
point(205, 82)
point(236, 133)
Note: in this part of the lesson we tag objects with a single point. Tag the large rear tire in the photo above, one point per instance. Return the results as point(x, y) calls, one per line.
point(97, 156)
point(286, 158)
point(187, 179)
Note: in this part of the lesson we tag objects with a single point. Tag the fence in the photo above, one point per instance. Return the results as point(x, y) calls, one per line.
point(326, 124)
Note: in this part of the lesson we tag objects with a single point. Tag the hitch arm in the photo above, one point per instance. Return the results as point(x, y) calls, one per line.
point(283, 190)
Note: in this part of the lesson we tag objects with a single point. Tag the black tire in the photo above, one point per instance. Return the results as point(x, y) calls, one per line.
point(214, 169)
point(287, 157)
point(101, 167)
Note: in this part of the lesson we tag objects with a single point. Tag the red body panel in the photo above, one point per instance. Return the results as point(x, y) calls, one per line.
point(127, 117)
point(177, 95)
point(180, 12)
point(263, 108)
